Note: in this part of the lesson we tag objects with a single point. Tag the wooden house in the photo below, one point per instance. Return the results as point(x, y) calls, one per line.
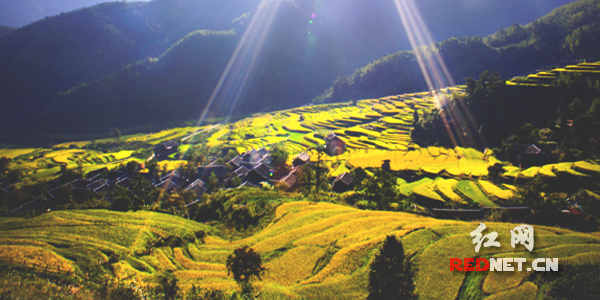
point(163, 150)
point(334, 145)
point(343, 183)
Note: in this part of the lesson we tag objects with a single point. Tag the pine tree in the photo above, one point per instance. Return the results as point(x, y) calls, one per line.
point(390, 276)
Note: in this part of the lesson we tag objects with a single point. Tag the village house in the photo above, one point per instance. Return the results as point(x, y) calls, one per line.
point(531, 155)
point(258, 174)
point(334, 145)
point(170, 182)
point(163, 150)
point(205, 172)
point(287, 181)
point(301, 159)
point(343, 182)
point(241, 172)
point(197, 187)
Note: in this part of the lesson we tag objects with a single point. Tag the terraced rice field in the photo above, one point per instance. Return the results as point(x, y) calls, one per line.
point(42, 164)
point(311, 250)
point(374, 131)
point(545, 78)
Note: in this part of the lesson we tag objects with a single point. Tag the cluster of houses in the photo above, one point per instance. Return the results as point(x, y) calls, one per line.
point(253, 168)
point(100, 182)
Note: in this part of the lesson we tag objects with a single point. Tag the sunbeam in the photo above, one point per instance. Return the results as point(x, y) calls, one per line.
point(458, 122)
point(230, 87)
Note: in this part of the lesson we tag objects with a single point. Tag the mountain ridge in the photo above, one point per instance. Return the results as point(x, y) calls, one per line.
point(566, 34)
point(295, 68)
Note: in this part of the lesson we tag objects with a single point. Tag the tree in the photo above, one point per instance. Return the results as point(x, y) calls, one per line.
point(132, 166)
point(213, 181)
point(359, 175)
point(187, 170)
point(415, 117)
point(576, 282)
point(279, 156)
point(142, 192)
point(390, 276)
point(245, 264)
point(63, 197)
point(594, 110)
point(381, 188)
point(188, 196)
point(305, 177)
point(80, 168)
point(4, 165)
point(14, 176)
point(116, 133)
point(152, 166)
point(236, 181)
point(67, 175)
point(122, 203)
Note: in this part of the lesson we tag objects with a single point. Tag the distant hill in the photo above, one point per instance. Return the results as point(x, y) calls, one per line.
point(18, 13)
point(568, 33)
point(88, 56)
point(57, 53)
point(5, 30)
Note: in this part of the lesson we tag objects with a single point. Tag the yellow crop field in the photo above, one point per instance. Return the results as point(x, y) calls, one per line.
point(299, 237)
point(499, 281)
point(531, 172)
point(34, 257)
point(295, 265)
point(372, 135)
point(444, 187)
point(490, 189)
point(428, 191)
point(527, 291)
point(311, 250)
point(171, 164)
point(586, 167)
point(12, 153)
point(166, 135)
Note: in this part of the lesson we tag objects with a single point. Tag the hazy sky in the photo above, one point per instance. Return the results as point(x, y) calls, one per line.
point(18, 13)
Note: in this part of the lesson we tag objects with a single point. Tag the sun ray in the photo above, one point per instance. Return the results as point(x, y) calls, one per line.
point(457, 120)
point(230, 88)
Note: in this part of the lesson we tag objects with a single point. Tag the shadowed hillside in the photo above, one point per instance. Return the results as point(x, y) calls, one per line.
point(58, 55)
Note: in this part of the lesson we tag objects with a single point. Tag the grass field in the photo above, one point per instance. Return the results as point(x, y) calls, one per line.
point(311, 250)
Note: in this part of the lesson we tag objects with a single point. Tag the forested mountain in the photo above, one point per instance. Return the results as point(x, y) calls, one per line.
point(5, 30)
point(57, 53)
point(22, 12)
point(567, 34)
point(115, 58)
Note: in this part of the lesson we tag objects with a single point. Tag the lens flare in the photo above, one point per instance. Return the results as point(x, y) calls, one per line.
point(455, 116)
point(231, 85)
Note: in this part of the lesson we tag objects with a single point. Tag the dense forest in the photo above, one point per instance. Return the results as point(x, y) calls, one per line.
point(561, 120)
point(569, 33)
